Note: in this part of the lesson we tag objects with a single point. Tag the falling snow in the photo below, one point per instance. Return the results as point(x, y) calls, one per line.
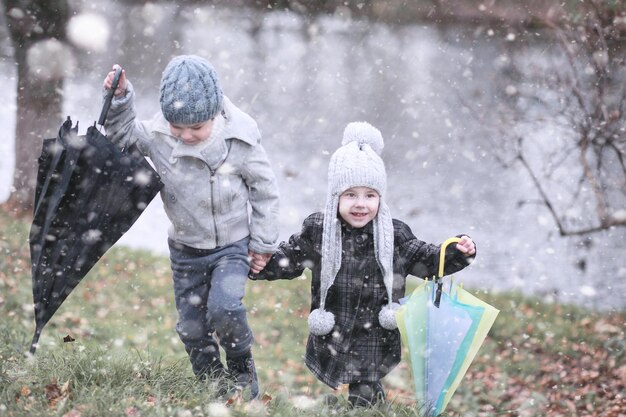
point(89, 31)
point(50, 60)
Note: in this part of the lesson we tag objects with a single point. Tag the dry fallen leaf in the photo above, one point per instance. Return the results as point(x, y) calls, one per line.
point(235, 399)
point(55, 393)
point(24, 391)
point(266, 399)
point(151, 400)
point(133, 411)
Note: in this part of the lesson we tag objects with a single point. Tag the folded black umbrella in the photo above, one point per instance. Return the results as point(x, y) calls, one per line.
point(89, 193)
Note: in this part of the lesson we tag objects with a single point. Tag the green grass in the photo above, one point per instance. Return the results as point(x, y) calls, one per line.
point(126, 360)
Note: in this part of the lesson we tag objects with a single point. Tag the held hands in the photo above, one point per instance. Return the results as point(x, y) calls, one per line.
point(466, 246)
point(258, 261)
point(121, 87)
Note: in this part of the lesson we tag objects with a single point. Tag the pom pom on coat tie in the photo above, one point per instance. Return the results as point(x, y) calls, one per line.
point(387, 316)
point(321, 322)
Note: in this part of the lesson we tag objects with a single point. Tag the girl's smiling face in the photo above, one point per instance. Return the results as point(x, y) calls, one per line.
point(358, 206)
point(193, 134)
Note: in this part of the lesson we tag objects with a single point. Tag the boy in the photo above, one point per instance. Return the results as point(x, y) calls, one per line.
point(210, 159)
point(359, 257)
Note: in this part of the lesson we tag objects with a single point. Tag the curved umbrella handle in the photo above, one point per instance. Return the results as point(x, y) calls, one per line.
point(109, 96)
point(442, 259)
point(442, 253)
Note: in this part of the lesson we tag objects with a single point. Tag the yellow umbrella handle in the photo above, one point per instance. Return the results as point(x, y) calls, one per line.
point(442, 259)
point(442, 253)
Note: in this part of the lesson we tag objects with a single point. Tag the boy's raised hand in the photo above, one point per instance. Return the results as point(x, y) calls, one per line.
point(121, 86)
point(466, 246)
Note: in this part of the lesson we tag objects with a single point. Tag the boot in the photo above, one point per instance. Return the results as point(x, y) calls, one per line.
point(205, 362)
point(243, 373)
point(208, 367)
point(366, 394)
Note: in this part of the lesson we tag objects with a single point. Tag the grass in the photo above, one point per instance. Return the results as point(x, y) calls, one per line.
point(126, 360)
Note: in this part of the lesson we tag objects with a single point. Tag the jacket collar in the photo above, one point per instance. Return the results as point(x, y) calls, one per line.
point(239, 125)
point(232, 123)
point(212, 151)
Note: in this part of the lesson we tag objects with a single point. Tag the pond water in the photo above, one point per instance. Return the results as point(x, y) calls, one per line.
point(304, 80)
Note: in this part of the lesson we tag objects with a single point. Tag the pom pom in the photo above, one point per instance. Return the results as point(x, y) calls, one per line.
point(387, 316)
point(321, 322)
point(363, 133)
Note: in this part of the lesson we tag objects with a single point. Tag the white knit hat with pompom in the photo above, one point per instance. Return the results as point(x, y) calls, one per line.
point(356, 163)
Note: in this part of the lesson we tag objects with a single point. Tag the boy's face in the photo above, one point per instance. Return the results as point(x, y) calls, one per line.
point(358, 206)
point(192, 134)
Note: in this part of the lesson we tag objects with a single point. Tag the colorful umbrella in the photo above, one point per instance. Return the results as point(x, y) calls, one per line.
point(443, 332)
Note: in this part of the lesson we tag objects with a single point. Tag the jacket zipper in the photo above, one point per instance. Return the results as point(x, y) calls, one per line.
point(212, 181)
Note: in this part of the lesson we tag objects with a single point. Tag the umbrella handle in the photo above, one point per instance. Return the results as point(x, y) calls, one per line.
point(442, 253)
point(442, 259)
point(109, 96)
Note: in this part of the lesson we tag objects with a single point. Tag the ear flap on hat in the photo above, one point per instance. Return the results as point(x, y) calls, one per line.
point(383, 246)
point(320, 321)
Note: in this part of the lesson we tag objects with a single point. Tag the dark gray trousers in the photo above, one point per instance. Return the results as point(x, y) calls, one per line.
point(209, 285)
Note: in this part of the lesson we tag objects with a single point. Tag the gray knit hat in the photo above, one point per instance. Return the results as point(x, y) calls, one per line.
point(190, 91)
point(356, 163)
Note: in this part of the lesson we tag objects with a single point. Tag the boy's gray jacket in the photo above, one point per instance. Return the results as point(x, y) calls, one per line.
point(207, 188)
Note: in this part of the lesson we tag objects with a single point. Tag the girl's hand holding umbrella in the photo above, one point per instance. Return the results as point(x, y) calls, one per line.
point(465, 246)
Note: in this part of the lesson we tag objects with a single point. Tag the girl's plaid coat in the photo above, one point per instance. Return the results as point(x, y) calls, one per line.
point(358, 348)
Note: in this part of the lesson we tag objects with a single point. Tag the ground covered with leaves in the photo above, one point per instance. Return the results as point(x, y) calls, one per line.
point(111, 350)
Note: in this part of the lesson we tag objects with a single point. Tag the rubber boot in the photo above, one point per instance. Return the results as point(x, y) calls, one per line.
point(366, 394)
point(243, 372)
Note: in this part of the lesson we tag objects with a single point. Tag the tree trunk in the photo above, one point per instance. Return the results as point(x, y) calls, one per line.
point(39, 100)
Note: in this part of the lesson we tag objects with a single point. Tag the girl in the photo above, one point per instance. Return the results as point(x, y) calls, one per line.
point(359, 257)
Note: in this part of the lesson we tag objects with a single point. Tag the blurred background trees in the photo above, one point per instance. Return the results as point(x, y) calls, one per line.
point(586, 97)
point(36, 27)
point(584, 100)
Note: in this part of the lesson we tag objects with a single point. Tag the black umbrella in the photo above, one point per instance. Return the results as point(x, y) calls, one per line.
point(89, 193)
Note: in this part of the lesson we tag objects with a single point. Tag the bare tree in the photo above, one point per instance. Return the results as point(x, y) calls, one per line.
point(39, 92)
point(570, 134)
